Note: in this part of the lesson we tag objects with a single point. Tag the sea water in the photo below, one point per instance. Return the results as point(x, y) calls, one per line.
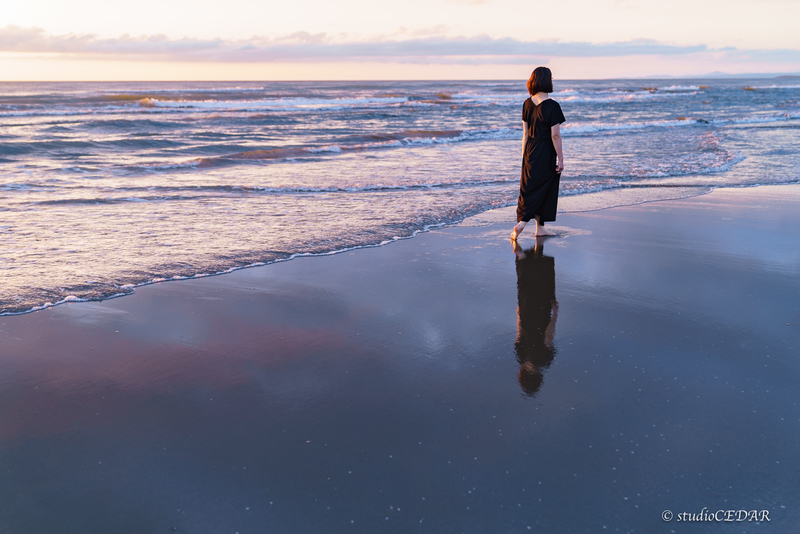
point(106, 186)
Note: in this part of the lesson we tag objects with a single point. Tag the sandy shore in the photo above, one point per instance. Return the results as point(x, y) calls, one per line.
point(425, 387)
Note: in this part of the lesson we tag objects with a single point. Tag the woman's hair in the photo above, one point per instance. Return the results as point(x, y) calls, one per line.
point(541, 81)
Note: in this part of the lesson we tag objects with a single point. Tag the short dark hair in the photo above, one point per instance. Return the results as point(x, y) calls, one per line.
point(541, 81)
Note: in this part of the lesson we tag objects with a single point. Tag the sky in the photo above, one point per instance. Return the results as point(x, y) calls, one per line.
point(55, 40)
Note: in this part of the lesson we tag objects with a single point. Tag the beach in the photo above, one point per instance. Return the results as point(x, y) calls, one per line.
point(108, 186)
point(379, 390)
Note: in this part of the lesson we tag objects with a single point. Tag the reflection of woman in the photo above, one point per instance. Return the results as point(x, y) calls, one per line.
point(536, 315)
point(542, 156)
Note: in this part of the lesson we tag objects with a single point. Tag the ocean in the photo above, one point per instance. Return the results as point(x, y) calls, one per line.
point(106, 186)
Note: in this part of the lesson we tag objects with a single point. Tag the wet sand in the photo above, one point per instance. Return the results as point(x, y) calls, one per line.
point(425, 387)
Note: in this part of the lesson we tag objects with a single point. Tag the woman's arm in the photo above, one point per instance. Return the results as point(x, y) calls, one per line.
point(555, 134)
point(524, 137)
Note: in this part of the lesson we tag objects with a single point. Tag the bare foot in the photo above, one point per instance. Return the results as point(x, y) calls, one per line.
point(517, 230)
point(541, 231)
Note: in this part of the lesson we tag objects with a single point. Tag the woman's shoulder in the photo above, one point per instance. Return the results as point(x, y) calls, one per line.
point(553, 111)
point(527, 110)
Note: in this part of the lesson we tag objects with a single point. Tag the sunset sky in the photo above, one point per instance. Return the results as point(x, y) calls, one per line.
point(407, 39)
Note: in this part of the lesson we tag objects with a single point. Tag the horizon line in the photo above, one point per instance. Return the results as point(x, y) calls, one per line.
point(719, 76)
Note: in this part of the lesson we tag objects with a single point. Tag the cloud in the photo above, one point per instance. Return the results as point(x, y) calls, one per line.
point(17, 39)
point(303, 46)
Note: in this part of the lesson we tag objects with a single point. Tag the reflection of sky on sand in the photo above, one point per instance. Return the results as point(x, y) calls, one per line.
point(345, 388)
point(711, 283)
point(173, 339)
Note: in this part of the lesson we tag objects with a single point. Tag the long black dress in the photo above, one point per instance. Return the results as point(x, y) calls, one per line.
point(538, 189)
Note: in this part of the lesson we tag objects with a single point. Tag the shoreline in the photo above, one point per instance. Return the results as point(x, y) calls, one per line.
point(566, 199)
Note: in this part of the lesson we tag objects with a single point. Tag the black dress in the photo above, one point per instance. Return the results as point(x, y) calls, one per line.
point(538, 189)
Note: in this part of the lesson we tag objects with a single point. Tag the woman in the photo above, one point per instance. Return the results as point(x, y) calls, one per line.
point(542, 156)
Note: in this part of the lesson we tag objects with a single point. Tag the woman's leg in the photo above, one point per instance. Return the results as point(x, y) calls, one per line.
point(518, 229)
point(540, 230)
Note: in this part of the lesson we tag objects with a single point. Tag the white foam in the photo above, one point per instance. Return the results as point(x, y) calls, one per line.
point(46, 113)
point(165, 166)
point(680, 88)
point(65, 300)
point(331, 148)
point(775, 86)
point(272, 104)
point(758, 119)
point(465, 135)
point(182, 90)
point(622, 96)
point(593, 127)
